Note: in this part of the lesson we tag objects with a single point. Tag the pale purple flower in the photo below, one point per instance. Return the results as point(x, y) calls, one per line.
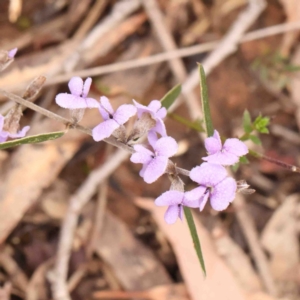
point(175, 200)
point(4, 135)
point(78, 98)
point(112, 120)
point(157, 112)
point(154, 162)
point(12, 53)
point(225, 155)
point(214, 184)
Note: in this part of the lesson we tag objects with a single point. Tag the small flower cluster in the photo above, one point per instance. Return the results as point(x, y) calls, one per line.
point(213, 181)
point(10, 123)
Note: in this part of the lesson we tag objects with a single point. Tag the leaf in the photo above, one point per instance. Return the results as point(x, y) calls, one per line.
point(169, 98)
point(247, 123)
point(196, 125)
point(39, 138)
point(235, 167)
point(195, 238)
point(244, 160)
point(255, 139)
point(205, 102)
point(264, 130)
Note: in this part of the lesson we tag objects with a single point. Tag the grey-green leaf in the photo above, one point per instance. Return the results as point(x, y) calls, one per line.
point(195, 238)
point(39, 138)
point(247, 123)
point(205, 102)
point(255, 139)
point(169, 98)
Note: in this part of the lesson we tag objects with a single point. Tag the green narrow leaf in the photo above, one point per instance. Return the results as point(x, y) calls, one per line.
point(205, 102)
point(244, 160)
point(196, 125)
point(32, 139)
point(169, 98)
point(247, 123)
point(255, 139)
point(195, 238)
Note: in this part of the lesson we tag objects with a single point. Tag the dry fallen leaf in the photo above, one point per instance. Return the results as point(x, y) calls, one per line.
point(219, 283)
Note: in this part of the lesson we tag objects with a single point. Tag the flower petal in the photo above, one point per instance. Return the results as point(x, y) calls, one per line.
point(75, 86)
point(160, 127)
point(69, 101)
point(3, 136)
point(235, 146)
point(172, 214)
point(1, 122)
point(223, 194)
point(91, 103)
point(141, 108)
point(104, 130)
point(20, 133)
point(12, 52)
point(86, 87)
point(166, 146)
point(222, 158)
point(124, 112)
point(161, 113)
point(143, 169)
point(105, 108)
point(155, 169)
point(203, 201)
point(192, 198)
point(154, 105)
point(213, 144)
point(152, 138)
point(208, 174)
point(142, 155)
point(169, 198)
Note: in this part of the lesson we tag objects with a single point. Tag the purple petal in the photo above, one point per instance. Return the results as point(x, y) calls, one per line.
point(91, 103)
point(3, 136)
point(213, 144)
point(193, 197)
point(74, 102)
point(142, 155)
point(142, 172)
point(169, 198)
point(154, 106)
point(155, 169)
point(235, 146)
point(208, 174)
point(180, 214)
point(124, 112)
point(1, 122)
point(172, 214)
point(12, 52)
point(75, 86)
point(141, 108)
point(203, 201)
point(105, 106)
point(152, 138)
point(161, 113)
point(166, 146)
point(20, 133)
point(86, 87)
point(222, 158)
point(104, 130)
point(160, 127)
point(223, 194)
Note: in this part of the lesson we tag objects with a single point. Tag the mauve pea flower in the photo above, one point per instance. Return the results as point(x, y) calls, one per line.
point(175, 200)
point(78, 98)
point(157, 112)
point(214, 184)
point(12, 53)
point(154, 162)
point(225, 155)
point(4, 135)
point(112, 120)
